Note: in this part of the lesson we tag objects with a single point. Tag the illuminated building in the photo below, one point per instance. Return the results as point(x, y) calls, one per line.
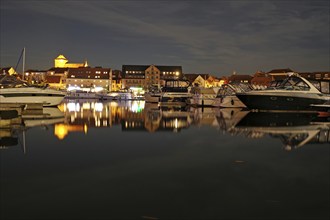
point(8, 71)
point(88, 77)
point(146, 75)
point(62, 62)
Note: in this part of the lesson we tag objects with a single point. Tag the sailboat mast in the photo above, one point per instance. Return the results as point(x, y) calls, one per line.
point(23, 64)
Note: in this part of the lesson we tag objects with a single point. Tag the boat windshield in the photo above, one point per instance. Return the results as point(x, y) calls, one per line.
point(7, 81)
point(322, 85)
point(294, 83)
point(176, 86)
point(233, 88)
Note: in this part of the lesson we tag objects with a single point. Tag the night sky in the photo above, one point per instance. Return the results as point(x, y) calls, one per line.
point(216, 37)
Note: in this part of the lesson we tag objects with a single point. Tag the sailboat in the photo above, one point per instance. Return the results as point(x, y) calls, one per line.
point(13, 90)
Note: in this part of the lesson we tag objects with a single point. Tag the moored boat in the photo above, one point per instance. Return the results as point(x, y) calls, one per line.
point(295, 93)
point(226, 95)
point(175, 93)
point(13, 90)
point(202, 96)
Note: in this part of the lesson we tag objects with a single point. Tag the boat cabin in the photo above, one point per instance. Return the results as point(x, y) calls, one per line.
point(176, 86)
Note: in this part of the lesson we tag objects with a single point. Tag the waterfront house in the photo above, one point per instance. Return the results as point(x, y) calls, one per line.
point(261, 78)
point(145, 76)
point(325, 75)
point(203, 80)
point(239, 78)
point(56, 77)
point(280, 73)
point(116, 83)
point(35, 76)
point(88, 77)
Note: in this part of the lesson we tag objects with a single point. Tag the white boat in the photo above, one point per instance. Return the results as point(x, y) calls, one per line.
point(175, 93)
point(153, 94)
point(152, 97)
point(118, 95)
point(202, 96)
point(81, 94)
point(295, 93)
point(13, 90)
point(226, 95)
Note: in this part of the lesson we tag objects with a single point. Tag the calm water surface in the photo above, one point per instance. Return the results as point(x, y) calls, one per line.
point(132, 160)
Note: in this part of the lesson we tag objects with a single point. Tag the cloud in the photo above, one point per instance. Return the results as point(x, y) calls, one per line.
point(219, 31)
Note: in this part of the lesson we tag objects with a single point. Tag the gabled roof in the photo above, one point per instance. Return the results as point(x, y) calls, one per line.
point(235, 77)
point(61, 56)
point(134, 68)
point(144, 67)
point(58, 69)
point(287, 70)
point(191, 76)
point(116, 74)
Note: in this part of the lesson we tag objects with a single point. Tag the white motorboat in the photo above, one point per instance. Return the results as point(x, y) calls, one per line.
point(175, 93)
point(202, 96)
point(13, 90)
point(226, 95)
point(153, 94)
point(81, 94)
point(153, 97)
point(116, 95)
point(294, 93)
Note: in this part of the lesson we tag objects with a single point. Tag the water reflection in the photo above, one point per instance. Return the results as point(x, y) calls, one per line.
point(14, 126)
point(294, 130)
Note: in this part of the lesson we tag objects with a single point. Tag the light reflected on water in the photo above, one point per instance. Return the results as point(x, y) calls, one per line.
point(294, 130)
point(88, 159)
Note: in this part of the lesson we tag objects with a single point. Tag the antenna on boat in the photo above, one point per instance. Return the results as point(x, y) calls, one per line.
point(22, 55)
point(23, 63)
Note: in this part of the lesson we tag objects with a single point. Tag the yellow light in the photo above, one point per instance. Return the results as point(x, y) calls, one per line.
point(85, 128)
point(60, 131)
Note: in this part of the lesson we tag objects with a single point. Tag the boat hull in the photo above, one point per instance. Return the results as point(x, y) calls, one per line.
point(201, 100)
point(228, 102)
point(47, 99)
point(152, 97)
point(281, 102)
point(174, 99)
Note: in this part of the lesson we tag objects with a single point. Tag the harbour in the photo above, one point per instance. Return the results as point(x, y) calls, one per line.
point(137, 160)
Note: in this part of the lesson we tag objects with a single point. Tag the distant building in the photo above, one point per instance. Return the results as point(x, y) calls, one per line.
point(35, 76)
point(8, 71)
point(203, 80)
point(116, 83)
point(147, 75)
point(315, 75)
point(240, 78)
point(62, 62)
point(56, 77)
point(88, 77)
point(279, 74)
point(262, 79)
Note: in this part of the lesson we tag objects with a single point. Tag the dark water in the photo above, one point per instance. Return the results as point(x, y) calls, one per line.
point(131, 160)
